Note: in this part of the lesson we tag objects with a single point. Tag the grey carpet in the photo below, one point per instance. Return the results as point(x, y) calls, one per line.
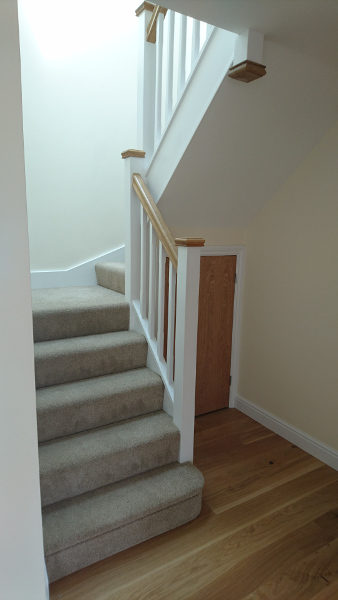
point(88, 528)
point(73, 359)
point(69, 312)
point(82, 405)
point(108, 454)
point(107, 544)
point(76, 464)
point(111, 276)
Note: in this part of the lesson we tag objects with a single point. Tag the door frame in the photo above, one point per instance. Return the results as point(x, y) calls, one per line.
point(239, 252)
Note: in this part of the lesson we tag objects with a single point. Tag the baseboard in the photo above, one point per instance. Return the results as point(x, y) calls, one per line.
point(46, 584)
point(326, 454)
point(83, 274)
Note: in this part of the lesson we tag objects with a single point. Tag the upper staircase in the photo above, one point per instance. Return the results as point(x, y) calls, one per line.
point(109, 470)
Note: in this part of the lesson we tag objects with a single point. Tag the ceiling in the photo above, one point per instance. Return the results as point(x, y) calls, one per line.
point(309, 26)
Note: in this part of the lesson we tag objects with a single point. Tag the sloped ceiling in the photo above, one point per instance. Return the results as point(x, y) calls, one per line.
point(254, 135)
point(309, 26)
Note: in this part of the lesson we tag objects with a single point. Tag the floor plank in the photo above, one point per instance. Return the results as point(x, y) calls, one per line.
point(268, 528)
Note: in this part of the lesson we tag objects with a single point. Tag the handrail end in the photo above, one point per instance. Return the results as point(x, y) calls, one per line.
point(190, 242)
point(133, 154)
point(144, 6)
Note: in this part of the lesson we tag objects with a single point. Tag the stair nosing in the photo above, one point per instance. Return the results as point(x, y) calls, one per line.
point(86, 500)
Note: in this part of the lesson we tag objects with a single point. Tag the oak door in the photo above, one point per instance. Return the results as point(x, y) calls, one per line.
point(214, 335)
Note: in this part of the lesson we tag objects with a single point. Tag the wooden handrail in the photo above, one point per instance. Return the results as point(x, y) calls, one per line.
point(151, 30)
point(148, 6)
point(144, 6)
point(161, 228)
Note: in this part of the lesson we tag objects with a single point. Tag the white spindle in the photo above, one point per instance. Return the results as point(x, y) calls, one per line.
point(143, 278)
point(170, 65)
point(158, 85)
point(152, 282)
point(182, 52)
point(145, 87)
point(195, 42)
point(160, 306)
point(171, 323)
point(209, 29)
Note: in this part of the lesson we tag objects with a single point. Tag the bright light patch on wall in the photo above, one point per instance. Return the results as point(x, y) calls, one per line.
point(63, 28)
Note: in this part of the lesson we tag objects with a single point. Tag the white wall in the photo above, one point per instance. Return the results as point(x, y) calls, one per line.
point(21, 549)
point(289, 341)
point(79, 104)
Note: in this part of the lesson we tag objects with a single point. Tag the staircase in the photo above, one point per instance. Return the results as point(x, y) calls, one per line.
point(109, 470)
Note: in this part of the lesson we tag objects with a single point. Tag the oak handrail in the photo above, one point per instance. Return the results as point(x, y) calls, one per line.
point(151, 30)
point(161, 228)
point(144, 6)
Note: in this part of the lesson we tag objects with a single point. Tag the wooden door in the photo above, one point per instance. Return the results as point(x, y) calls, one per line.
point(214, 336)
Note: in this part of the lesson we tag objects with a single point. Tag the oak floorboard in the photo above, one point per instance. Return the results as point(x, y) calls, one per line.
point(248, 574)
point(266, 532)
point(328, 593)
point(215, 557)
point(304, 579)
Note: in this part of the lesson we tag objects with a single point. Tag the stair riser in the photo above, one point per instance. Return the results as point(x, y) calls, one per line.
point(56, 422)
point(70, 366)
point(61, 325)
point(77, 557)
point(111, 276)
point(63, 483)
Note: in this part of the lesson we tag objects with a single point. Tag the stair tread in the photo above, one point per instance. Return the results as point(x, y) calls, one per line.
point(81, 405)
point(74, 299)
point(77, 463)
point(73, 311)
point(72, 359)
point(68, 451)
point(86, 343)
point(75, 520)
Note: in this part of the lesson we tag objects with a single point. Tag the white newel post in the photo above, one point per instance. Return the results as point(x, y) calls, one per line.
point(188, 276)
point(134, 163)
point(146, 84)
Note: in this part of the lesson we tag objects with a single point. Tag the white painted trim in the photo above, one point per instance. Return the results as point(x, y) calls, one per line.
point(181, 98)
point(188, 280)
point(201, 87)
point(46, 583)
point(238, 251)
point(83, 274)
point(306, 442)
point(154, 363)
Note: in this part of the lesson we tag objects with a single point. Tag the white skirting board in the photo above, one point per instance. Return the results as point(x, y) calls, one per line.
point(326, 454)
point(83, 274)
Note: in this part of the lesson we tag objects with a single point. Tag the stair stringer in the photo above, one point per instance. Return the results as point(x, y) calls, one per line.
point(153, 361)
point(198, 94)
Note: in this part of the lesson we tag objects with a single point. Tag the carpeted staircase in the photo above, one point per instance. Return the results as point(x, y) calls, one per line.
point(108, 453)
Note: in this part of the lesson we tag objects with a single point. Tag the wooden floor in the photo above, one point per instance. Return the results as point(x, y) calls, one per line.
point(268, 528)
